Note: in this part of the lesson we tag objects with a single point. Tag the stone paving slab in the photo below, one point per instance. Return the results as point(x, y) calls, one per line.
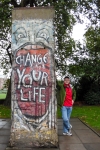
point(3, 146)
point(79, 125)
point(69, 139)
point(7, 126)
point(2, 123)
point(92, 146)
point(1, 126)
point(72, 147)
point(87, 136)
point(4, 139)
point(4, 132)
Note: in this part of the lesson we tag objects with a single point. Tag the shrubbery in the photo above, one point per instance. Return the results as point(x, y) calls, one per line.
point(92, 98)
point(88, 90)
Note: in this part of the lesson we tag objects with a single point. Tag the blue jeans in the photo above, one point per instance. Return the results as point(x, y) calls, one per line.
point(66, 113)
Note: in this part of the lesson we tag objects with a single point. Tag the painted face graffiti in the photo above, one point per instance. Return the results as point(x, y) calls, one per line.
point(32, 72)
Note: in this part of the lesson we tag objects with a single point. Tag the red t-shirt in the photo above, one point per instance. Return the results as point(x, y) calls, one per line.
point(68, 96)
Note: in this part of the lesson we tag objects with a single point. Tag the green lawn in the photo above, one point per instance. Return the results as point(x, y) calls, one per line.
point(5, 112)
point(2, 95)
point(88, 114)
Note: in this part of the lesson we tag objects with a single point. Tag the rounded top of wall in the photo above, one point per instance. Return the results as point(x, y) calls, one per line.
point(24, 13)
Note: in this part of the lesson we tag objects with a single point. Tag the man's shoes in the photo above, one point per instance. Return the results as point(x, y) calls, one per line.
point(67, 133)
point(70, 126)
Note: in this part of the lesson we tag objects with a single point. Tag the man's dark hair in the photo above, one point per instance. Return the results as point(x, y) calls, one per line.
point(67, 77)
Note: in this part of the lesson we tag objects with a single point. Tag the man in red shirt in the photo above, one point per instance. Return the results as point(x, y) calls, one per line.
point(68, 102)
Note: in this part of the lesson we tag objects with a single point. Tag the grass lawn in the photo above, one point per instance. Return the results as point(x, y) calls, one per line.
point(2, 95)
point(5, 112)
point(88, 114)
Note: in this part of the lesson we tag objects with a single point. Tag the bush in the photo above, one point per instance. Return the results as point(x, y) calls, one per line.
point(92, 98)
point(82, 87)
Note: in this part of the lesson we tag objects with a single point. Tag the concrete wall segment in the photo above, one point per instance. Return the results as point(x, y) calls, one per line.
point(34, 122)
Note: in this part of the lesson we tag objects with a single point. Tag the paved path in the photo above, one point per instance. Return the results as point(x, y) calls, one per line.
point(83, 138)
point(4, 133)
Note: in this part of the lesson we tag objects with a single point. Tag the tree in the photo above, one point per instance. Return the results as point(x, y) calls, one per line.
point(63, 21)
point(66, 14)
point(87, 62)
point(87, 66)
point(93, 46)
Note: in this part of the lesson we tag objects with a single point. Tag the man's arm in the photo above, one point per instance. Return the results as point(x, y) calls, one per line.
point(74, 94)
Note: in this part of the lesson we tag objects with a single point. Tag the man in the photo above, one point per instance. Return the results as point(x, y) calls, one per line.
point(69, 98)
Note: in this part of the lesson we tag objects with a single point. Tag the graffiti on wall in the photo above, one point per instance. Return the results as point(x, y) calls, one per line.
point(33, 81)
point(33, 72)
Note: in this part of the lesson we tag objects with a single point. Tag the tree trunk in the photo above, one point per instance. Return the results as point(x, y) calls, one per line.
point(8, 96)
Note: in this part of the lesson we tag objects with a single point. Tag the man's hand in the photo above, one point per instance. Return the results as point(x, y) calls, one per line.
point(72, 102)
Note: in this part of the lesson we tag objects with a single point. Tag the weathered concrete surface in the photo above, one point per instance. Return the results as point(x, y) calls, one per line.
point(34, 106)
point(39, 13)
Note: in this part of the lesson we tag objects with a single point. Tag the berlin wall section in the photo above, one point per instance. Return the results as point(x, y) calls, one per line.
point(34, 122)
